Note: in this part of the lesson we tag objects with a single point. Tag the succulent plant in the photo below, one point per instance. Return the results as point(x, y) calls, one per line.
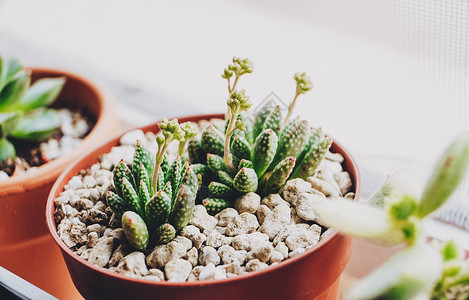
point(255, 153)
point(154, 198)
point(394, 215)
point(23, 112)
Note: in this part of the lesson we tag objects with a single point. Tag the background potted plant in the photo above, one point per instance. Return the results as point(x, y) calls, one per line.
point(292, 278)
point(25, 247)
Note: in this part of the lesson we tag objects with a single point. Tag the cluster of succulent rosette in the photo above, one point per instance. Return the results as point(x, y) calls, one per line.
point(255, 153)
point(154, 198)
point(23, 112)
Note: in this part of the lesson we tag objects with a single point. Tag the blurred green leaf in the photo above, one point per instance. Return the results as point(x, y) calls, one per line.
point(7, 150)
point(8, 122)
point(414, 271)
point(14, 91)
point(447, 174)
point(38, 125)
point(42, 93)
point(13, 67)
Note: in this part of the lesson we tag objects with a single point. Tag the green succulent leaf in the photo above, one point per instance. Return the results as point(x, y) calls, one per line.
point(37, 125)
point(212, 141)
point(165, 233)
point(196, 153)
point(215, 205)
point(8, 123)
point(292, 142)
point(241, 148)
point(264, 151)
point(446, 175)
point(135, 230)
point(116, 203)
point(409, 273)
point(13, 92)
point(13, 67)
point(219, 190)
point(42, 93)
point(7, 150)
point(183, 209)
point(274, 120)
point(259, 120)
point(279, 175)
point(157, 209)
point(246, 180)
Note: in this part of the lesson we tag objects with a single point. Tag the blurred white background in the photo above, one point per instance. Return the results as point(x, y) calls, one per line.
point(391, 76)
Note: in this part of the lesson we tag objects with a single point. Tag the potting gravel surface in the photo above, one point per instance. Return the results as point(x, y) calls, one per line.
point(73, 126)
point(253, 235)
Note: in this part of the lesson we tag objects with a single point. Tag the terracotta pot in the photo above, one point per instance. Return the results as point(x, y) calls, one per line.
point(314, 274)
point(26, 248)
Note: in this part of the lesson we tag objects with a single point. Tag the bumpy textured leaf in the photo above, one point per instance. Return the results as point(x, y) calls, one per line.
point(248, 131)
point(215, 205)
point(241, 148)
point(203, 172)
point(158, 209)
point(143, 194)
point(175, 175)
point(225, 178)
point(219, 190)
point(141, 175)
point(165, 233)
point(215, 163)
point(160, 182)
point(246, 180)
point(261, 116)
point(310, 162)
point(165, 166)
point(183, 208)
point(264, 151)
point(279, 175)
point(143, 156)
point(116, 203)
point(135, 230)
point(292, 142)
point(120, 171)
point(244, 163)
point(196, 153)
point(212, 141)
point(274, 120)
point(39, 125)
point(131, 197)
point(190, 180)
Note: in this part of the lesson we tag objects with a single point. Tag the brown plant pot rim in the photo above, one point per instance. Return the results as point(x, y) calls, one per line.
point(354, 172)
point(45, 173)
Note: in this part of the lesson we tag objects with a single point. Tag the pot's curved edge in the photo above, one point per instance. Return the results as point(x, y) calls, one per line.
point(104, 120)
point(58, 185)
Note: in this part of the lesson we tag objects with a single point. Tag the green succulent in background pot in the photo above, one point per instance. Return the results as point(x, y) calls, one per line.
point(23, 107)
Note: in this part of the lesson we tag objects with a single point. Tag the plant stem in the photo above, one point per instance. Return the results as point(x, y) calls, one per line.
point(229, 132)
point(158, 161)
point(234, 83)
point(290, 107)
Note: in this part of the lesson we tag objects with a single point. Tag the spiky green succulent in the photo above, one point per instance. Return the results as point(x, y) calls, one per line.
point(255, 153)
point(23, 107)
point(153, 210)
